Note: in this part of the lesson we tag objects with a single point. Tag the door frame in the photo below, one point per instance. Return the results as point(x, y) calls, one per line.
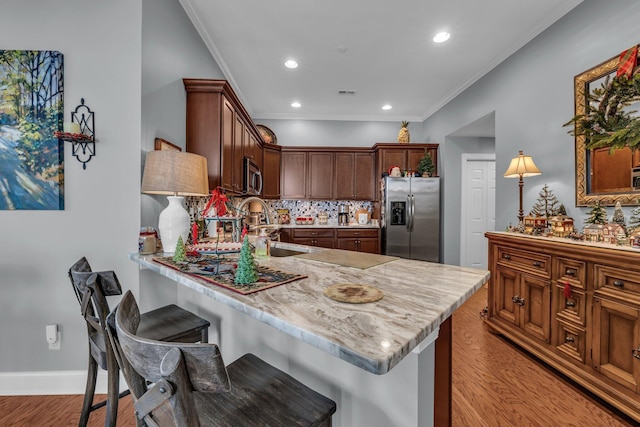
point(464, 193)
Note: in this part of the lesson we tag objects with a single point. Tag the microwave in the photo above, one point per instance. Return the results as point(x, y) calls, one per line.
point(252, 177)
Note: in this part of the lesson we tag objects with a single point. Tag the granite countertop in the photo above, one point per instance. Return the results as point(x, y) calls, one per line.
point(418, 297)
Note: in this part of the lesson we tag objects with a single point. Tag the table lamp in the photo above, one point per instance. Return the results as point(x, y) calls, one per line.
point(520, 167)
point(176, 174)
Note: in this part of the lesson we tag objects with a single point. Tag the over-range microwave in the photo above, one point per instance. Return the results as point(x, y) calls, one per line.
point(252, 177)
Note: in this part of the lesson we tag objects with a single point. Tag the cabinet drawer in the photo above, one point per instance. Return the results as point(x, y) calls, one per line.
point(617, 283)
point(571, 271)
point(571, 341)
point(570, 309)
point(371, 232)
point(313, 232)
point(532, 262)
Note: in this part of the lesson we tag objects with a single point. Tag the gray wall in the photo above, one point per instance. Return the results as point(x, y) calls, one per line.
point(532, 96)
point(101, 46)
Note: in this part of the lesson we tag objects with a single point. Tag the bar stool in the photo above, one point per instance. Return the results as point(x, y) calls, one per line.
point(168, 323)
point(192, 386)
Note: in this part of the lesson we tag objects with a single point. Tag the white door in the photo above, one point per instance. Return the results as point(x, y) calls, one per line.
point(477, 207)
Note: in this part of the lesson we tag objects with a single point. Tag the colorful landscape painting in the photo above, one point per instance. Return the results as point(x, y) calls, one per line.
point(31, 110)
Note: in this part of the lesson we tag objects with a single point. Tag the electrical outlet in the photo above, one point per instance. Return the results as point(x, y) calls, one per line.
point(53, 336)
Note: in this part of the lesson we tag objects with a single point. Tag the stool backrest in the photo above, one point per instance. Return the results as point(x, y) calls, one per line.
point(176, 369)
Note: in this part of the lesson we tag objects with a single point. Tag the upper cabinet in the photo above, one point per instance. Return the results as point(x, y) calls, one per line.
point(406, 156)
point(355, 175)
point(271, 171)
point(220, 129)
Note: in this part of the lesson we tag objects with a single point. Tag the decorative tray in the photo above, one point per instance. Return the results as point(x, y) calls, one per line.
point(216, 248)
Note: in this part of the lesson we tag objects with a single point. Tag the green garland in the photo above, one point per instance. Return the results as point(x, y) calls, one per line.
point(606, 123)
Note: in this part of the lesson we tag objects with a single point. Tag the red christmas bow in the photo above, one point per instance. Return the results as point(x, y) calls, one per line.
point(628, 62)
point(567, 290)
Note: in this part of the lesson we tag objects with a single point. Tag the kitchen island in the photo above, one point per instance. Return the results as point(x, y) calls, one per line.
point(376, 360)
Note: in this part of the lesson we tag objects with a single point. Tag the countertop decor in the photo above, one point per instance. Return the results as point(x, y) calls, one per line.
point(353, 293)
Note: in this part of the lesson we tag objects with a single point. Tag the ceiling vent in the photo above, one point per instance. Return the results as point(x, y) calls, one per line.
point(347, 92)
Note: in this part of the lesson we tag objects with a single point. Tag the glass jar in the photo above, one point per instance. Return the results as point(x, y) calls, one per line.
point(147, 241)
point(263, 244)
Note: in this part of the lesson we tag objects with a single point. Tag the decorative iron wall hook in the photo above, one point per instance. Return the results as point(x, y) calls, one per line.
point(83, 142)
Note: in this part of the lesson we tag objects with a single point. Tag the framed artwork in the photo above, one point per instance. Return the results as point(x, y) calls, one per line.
point(31, 110)
point(267, 134)
point(163, 144)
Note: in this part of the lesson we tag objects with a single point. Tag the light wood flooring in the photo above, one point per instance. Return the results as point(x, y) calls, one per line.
point(494, 384)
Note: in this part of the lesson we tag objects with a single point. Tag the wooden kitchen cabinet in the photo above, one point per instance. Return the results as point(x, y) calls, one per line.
point(219, 128)
point(271, 171)
point(293, 181)
point(321, 237)
point(350, 239)
point(360, 240)
point(590, 331)
point(355, 175)
point(320, 175)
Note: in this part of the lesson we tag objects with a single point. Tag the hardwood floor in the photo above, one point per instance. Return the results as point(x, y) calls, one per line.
point(494, 384)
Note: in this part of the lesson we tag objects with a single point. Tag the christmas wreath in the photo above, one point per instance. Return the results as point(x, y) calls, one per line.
point(607, 122)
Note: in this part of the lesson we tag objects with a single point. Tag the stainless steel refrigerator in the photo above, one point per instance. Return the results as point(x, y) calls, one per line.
point(412, 218)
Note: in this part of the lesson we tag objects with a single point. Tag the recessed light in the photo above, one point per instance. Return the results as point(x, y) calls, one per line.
point(290, 63)
point(387, 107)
point(296, 104)
point(441, 37)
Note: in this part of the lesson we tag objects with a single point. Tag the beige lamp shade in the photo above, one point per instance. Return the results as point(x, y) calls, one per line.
point(175, 173)
point(522, 166)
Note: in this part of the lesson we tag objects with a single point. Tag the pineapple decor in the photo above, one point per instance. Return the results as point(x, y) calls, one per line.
point(403, 135)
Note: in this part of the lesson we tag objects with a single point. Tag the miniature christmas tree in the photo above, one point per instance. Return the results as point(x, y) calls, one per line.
point(546, 204)
point(597, 214)
point(425, 165)
point(180, 253)
point(246, 273)
point(634, 219)
point(618, 216)
point(562, 210)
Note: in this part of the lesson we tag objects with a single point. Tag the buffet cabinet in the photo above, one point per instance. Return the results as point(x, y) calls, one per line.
point(574, 305)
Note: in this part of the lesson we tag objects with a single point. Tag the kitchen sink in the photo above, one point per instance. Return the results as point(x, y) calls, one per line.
point(282, 252)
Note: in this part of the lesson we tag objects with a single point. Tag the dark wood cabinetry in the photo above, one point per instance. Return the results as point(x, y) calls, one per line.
point(293, 181)
point(271, 171)
point(307, 174)
point(320, 175)
point(220, 129)
point(574, 305)
point(351, 239)
point(355, 175)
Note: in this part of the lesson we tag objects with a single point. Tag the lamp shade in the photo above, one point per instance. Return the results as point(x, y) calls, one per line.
point(522, 166)
point(175, 173)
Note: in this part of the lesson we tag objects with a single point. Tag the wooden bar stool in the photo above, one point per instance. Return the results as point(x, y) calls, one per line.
point(192, 386)
point(168, 323)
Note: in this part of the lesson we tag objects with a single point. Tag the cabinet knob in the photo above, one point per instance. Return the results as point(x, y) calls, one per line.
point(569, 339)
point(636, 353)
point(570, 272)
point(571, 304)
point(618, 283)
point(536, 263)
point(506, 256)
point(518, 300)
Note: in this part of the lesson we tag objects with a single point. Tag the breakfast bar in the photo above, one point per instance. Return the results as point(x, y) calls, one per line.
point(375, 359)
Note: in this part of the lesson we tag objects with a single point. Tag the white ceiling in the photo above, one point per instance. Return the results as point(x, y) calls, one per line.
point(381, 49)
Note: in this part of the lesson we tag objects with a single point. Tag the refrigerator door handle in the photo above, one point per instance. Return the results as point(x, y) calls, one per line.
point(408, 214)
point(413, 211)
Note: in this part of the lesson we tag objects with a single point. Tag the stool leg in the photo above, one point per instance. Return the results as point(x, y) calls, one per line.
point(89, 391)
point(205, 336)
point(113, 390)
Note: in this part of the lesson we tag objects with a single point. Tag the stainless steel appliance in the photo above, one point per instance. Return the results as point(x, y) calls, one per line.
point(252, 178)
point(412, 218)
point(343, 215)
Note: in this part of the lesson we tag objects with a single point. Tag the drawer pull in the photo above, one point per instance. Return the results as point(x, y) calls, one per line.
point(314, 234)
point(636, 353)
point(570, 272)
point(569, 339)
point(618, 283)
point(506, 256)
point(571, 304)
point(536, 263)
point(518, 300)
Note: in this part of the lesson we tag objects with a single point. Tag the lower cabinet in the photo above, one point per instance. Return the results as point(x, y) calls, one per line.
point(575, 306)
point(361, 240)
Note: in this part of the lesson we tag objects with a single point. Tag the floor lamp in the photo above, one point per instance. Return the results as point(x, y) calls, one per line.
point(175, 174)
point(521, 167)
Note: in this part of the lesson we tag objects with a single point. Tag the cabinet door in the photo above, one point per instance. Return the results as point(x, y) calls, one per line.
point(506, 287)
point(535, 305)
point(293, 176)
point(392, 157)
point(227, 146)
point(365, 181)
point(413, 158)
point(348, 244)
point(370, 246)
point(320, 174)
point(271, 174)
point(345, 185)
point(238, 152)
point(616, 333)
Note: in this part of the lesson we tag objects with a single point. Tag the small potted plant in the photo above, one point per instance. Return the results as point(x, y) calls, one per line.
point(425, 165)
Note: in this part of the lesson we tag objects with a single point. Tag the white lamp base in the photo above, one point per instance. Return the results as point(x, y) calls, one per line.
point(173, 222)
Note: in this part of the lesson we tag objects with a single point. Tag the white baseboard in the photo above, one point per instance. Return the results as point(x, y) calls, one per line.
point(51, 382)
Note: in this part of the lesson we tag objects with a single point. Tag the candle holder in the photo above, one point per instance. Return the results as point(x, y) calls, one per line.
point(80, 133)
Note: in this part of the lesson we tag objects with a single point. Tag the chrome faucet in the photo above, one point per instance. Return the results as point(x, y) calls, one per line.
point(258, 200)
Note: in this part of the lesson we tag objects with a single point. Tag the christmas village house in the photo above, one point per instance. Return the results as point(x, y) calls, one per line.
point(561, 225)
point(606, 233)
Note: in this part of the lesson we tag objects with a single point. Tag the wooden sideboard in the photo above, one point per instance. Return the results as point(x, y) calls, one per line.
point(574, 305)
